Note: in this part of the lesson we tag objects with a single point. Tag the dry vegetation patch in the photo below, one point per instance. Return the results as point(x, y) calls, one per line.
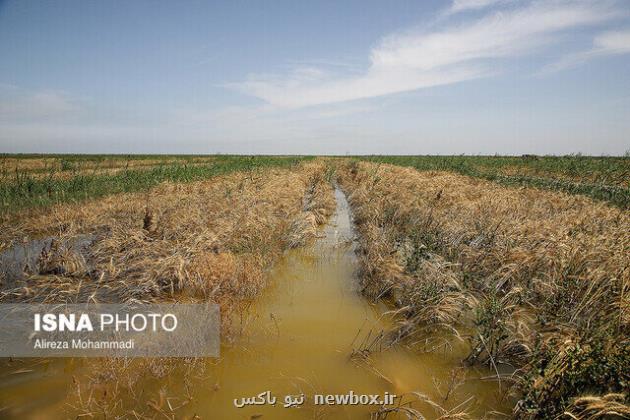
point(206, 239)
point(202, 241)
point(603, 178)
point(538, 281)
point(10, 165)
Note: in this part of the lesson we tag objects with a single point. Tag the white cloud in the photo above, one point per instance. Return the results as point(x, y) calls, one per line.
point(293, 92)
point(614, 42)
point(414, 60)
point(20, 105)
point(463, 5)
point(605, 44)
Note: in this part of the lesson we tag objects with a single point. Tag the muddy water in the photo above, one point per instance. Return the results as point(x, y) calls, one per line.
point(297, 339)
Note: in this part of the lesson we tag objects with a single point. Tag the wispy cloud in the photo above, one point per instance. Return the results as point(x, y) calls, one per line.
point(20, 105)
point(295, 91)
point(418, 59)
point(464, 5)
point(605, 44)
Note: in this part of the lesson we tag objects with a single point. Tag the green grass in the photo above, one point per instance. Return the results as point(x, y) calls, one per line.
point(23, 191)
point(601, 178)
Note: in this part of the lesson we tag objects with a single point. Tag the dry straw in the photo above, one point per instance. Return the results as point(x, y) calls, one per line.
point(205, 241)
point(539, 281)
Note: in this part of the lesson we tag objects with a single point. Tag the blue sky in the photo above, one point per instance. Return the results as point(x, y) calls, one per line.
point(320, 77)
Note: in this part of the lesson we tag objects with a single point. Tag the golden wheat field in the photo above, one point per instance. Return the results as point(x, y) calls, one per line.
point(158, 244)
point(537, 282)
point(471, 300)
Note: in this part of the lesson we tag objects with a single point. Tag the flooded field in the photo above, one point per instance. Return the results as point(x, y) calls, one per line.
point(296, 338)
